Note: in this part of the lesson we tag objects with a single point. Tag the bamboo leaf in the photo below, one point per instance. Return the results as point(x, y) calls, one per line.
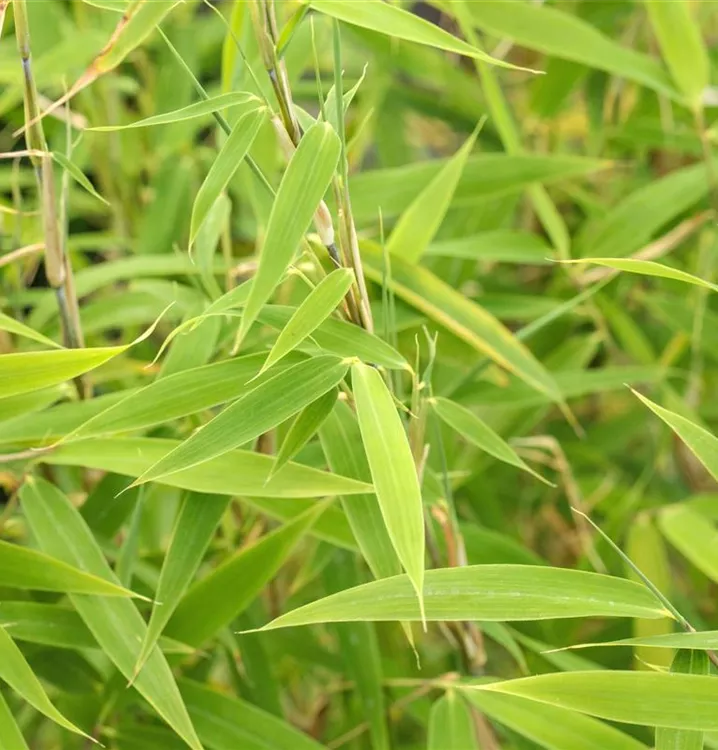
point(196, 524)
point(685, 662)
point(259, 410)
point(483, 592)
point(647, 268)
point(678, 701)
point(29, 569)
point(682, 47)
point(419, 223)
point(191, 111)
point(479, 433)
point(300, 191)
point(462, 317)
point(550, 727)
point(702, 444)
point(16, 672)
point(398, 23)
point(225, 165)
point(213, 602)
point(451, 725)
point(499, 245)
point(115, 623)
point(76, 173)
point(304, 427)
point(20, 329)
point(10, 735)
point(316, 307)
point(243, 473)
point(693, 535)
point(392, 470)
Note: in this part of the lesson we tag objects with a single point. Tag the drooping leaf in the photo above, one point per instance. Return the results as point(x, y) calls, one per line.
point(483, 592)
point(678, 701)
point(261, 409)
point(302, 187)
point(392, 469)
point(10, 735)
point(115, 623)
point(317, 306)
point(693, 535)
point(451, 725)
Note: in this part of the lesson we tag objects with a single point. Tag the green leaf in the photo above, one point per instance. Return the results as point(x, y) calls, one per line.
point(115, 623)
point(462, 317)
point(225, 165)
point(400, 24)
point(485, 176)
point(24, 568)
point(499, 245)
point(175, 396)
point(196, 524)
point(31, 371)
point(702, 444)
point(341, 441)
point(302, 188)
point(16, 672)
point(213, 602)
point(20, 329)
point(341, 338)
point(479, 433)
point(198, 109)
point(483, 592)
point(550, 727)
point(647, 268)
point(316, 307)
point(10, 736)
point(685, 662)
point(702, 641)
point(76, 173)
point(243, 473)
point(419, 223)
point(632, 222)
point(225, 723)
point(451, 725)
point(304, 427)
point(261, 409)
point(561, 34)
point(693, 535)
point(393, 471)
point(679, 37)
point(678, 701)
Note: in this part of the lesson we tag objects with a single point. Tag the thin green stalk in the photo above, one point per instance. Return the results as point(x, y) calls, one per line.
point(57, 265)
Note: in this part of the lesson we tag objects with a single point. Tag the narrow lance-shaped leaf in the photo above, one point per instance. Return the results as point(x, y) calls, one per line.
point(260, 410)
point(25, 568)
point(451, 724)
point(647, 268)
point(420, 222)
point(659, 699)
point(241, 472)
point(304, 427)
point(302, 188)
point(225, 165)
point(693, 535)
point(16, 672)
point(685, 662)
point(196, 524)
point(138, 21)
point(318, 305)
point(479, 433)
point(190, 112)
point(212, 603)
point(550, 727)
point(20, 329)
point(76, 173)
point(400, 24)
point(679, 37)
point(392, 470)
point(10, 736)
point(483, 592)
point(701, 443)
point(115, 623)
